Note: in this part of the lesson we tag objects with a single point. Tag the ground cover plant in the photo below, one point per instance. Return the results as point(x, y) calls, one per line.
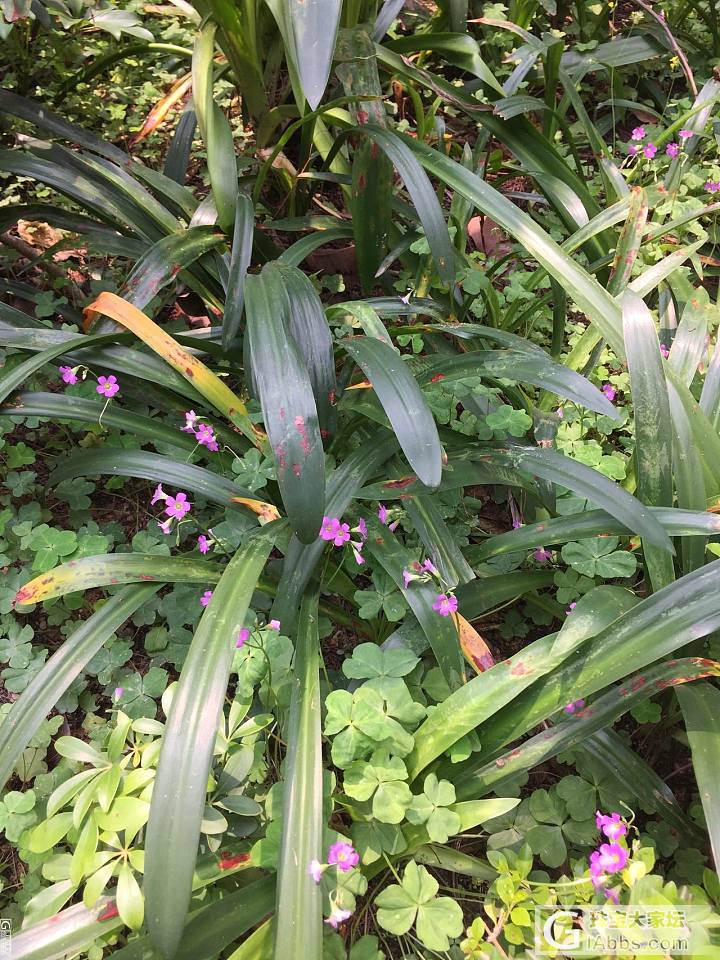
point(360, 505)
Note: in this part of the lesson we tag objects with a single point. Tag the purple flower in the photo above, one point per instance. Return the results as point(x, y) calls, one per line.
point(118, 693)
point(205, 436)
point(445, 604)
point(611, 824)
point(342, 534)
point(571, 608)
point(244, 634)
point(575, 705)
point(166, 526)
point(316, 870)
point(430, 567)
point(664, 351)
point(337, 917)
point(274, 625)
point(68, 375)
point(649, 151)
point(638, 133)
point(633, 150)
point(344, 856)
point(392, 527)
point(329, 528)
point(382, 513)
point(610, 858)
point(686, 134)
point(107, 386)
point(177, 506)
point(609, 390)
point(408, 578)
point(542, 555)
point(362, 528)
point(672, 150)
point(357, 554)
point(612, 895)
point(159, 494)
point(191, 419)
point(206, 597)
point(712, 186)
point(203, 543)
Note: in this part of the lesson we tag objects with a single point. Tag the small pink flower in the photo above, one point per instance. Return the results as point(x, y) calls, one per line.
point(337, 917)
point(609, 390)
point(392, 527)
point(244, 634)
point(649, 151)
point(329, 528)
point(118, 693)
point(342, 534)
point(68, 375)
point(430, 567)
point(206, 597)
point(638, 133)
point(672, 150)
point(610, 858)
point(177, 506)
point(408, 578)
point(205, 436)
point(166, 526)
point(382, 513)
point(445, 604)
point(357, 553)
point(686, 134)
point(159, 494)
point(560, 412)
point(633, 150)
point(191, 419)
point(516, 524)
point(362, 528)
point(316, 870)
point(575, 705)
point(107, 386)
point(203, 543)
point(571, 607)
point(712, 186)
point(344, 856)
point(611, 824)
point(664, 351)
point(612, 896)
point(274, 625)
point(542, 555)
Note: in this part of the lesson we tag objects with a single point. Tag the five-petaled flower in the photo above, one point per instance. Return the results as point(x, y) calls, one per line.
point(712, 186)
point(337, 917)
point(69, 375)
point(203, 543)
point(610, 858)
point(609, 390)
point(206, 598)
point(159, 494)
point(166, 525)
point(344, 856)
point(243, 636)
point(329, 528)
point(107, 386)
point(205, 436)
point(664, 351)
point(575, 705)
point(191, 418)
point(673, 150)
point(638, 133)
point(316, 870)
point(649, 151)
point(542, 555)
point(430, 567)
point(382, 513)
point(445, 604)
point(633, 150)
point(177, 506)
point(686, 134)
point(611, 824)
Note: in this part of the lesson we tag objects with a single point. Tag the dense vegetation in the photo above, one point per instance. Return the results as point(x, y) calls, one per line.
point(360, 492)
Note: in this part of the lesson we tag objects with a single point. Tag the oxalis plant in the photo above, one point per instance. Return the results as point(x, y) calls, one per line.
point(341, 742)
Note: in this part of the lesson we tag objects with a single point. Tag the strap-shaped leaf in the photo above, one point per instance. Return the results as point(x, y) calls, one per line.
point(287, 402)
point(160, 265)
point(239, 262)
point(202, 378)
point(404, 404)
point(178, 799)
point(701, 709)
point(45, 689)
point(314, 25)
point(298, 918)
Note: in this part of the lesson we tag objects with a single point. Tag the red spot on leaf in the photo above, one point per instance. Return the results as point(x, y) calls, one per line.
point(109, 912)
point(438, 376)
point(228, 863)
point(400, 484)
point(520, 670)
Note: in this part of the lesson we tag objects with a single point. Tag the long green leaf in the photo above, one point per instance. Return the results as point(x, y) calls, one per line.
point(314, 27)
point(298, 923)
point(162, 262)
point(287, 401)
point(700, 705)
point(45, 689)
point(178, 801)
point(403, 403)
point(239, 262)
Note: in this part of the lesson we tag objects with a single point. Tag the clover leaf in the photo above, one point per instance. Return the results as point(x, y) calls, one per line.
point(414, 901)
point(369, 661)
point(597, 556)
point(49, 545)
point(384, 779)
point(360, 721)
point(430, 808)
point(506, 418)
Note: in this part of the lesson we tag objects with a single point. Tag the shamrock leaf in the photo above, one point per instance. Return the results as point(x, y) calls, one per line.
point(49, 545)
point(360, 721)
point(430, 808)
point(382, 778)
point(16, 813)
point(251, 472)
point(385, 597)
point(373, 838)
point(19, 455)
point(369, 661)
point(414, 901)
point(507, 419)
point(580, 797)
point(598, 557)
point(15, 645)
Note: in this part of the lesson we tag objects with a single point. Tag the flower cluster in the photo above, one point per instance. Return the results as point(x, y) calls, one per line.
point(332, 529)
point(244, 634)
point(203, 432)
point(649, 150)
point(445, 603)
point(176, 507)
point(344, 857)
point(609, 857)
point(106, 386)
